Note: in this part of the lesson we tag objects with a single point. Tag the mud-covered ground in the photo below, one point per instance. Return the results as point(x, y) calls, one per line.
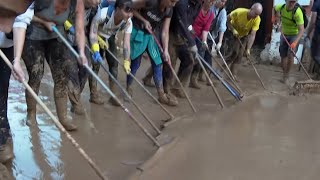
point(266, 136)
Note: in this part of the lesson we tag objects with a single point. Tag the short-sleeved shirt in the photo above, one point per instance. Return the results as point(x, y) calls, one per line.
point(107, 28)
point(239, 20)
point(202, 23)
point(316, 8)
point(289, 27)
point(153, 15)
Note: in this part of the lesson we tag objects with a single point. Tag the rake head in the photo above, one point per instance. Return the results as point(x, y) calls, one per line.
point(306, 87)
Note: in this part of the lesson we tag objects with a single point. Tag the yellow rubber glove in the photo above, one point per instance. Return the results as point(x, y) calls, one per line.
point(126, 66)
point(235, 33)
point(102, 43)
point(95, 47)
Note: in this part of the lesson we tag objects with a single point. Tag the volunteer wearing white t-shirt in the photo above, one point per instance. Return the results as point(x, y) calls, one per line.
point(105, 25)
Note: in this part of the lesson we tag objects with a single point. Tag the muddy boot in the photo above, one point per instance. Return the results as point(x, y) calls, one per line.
point(201, 77)
point(285, 79)
point(6, 151)
point(61, 106)
point(129, 90)
point(178, 93)
point(194, 82)
point(147, 79)
point(31, 110)
point(94, 95)
point(165, 99)
point(113, 89)
point(76, 106)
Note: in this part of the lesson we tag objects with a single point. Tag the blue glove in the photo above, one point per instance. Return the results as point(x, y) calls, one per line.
point(97, 57)
point(72, 30)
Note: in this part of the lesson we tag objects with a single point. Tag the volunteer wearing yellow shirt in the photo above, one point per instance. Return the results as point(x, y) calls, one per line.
point(292, 24)
point(243, 23)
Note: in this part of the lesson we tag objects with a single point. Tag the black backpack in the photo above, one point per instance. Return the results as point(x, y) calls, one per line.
point(305, 18)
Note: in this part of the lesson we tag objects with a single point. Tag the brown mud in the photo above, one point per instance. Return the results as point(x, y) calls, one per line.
point(266, 136)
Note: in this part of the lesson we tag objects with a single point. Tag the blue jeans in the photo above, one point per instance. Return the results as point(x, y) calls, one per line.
point(157, 71)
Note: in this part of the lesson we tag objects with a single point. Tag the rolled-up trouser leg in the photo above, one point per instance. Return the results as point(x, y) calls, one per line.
point(5, 73)
point(34, 56)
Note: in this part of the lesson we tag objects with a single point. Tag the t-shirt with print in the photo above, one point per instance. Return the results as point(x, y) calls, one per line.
point(153, 15)
point(316, 8)
point(202, 23)
point(241, 23)
point(107, 28)
point(289, 27)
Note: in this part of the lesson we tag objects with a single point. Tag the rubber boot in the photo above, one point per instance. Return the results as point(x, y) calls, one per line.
point(113, 89)
point(285, 79)
point(166, 99)
point(94, 95)
point(129, 90)
point(194, 81)
point(61, 106)
point(6, 151)
point(201, 77)
point(31, 110)
point(76, 105)
point(147, 79)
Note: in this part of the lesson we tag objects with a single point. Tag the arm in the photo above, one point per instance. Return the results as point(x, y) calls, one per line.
point(300, 34)
point(93, 35)
point(147, 24)
point(251, 39)
point(79, 26)
point(48, 25)
point(126, 46)
point(165, 38)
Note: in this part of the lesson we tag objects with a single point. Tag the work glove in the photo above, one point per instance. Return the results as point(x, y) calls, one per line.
point(96, 53)
point(126, 66)
point(235, 33)
point(247, 53)
point(307, 42)
point(69, 27)
point(205, 45)
point(102, 43)
point(293, 45)
point(218, 46)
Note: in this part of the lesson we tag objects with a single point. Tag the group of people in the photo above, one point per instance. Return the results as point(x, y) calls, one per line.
point(165, 30)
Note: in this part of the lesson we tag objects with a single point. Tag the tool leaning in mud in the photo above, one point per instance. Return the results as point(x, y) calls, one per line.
point(255, 70)
point(229, 73)
point(173, 72)
point(309, 85)
point(127, 95)
point(132, 117)
point(58, 124)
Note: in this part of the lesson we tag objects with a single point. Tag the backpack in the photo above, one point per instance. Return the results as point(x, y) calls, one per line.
point(305, 18)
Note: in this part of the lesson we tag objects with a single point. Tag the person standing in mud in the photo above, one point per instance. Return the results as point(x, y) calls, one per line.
point(181, 45)
point(201, 27)
point(293, 31)
point(78, 76)
point(155, 15)
point(11, 44)
point(314, 34)
point(43, 44)
point(243, 23)
point(218, 28)
point(106, 23)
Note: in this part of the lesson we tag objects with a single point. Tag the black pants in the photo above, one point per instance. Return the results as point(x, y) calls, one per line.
point(5, 73)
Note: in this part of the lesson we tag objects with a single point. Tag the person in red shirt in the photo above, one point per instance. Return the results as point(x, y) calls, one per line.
point(201, 27)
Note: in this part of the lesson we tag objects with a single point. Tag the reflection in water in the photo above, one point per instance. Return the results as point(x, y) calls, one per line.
point(37, 151)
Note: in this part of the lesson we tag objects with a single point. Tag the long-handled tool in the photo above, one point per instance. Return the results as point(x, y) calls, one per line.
point(128, 96)
point(174, 72)
point(229, 73)
point(145, 89)
point(225, 84)
point(308, 86)
point(255, 70)
point(58, 124)
point(107, 88)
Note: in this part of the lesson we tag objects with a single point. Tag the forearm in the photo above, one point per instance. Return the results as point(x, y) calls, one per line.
point(138, 16)
point(300, 34)
point(18, 41)
point(204, 36)
point(126, 46)
point(251, 40)
point(165, 40)
point(93, 36)
point(79, 26)
point(221, 34)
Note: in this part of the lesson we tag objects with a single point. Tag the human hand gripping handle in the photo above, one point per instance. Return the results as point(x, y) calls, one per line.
point(293, 45)
point(96, 53)
point(126, 66)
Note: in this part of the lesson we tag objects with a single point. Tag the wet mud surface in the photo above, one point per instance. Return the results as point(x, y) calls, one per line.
point(267, 136)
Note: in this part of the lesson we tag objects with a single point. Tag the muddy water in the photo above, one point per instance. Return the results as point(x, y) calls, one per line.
point(114, 142)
